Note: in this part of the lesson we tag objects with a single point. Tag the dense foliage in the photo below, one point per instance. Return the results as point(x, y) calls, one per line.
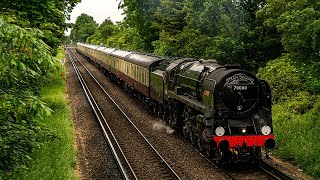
point(25, 59)
point(25, 63)
point(278, 39)
point(140, 16)
point(49, 16)
point(297, 131)
point(299, 24)
point(30, 32)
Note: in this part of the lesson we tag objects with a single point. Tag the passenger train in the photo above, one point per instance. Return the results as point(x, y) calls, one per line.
point(223, 110)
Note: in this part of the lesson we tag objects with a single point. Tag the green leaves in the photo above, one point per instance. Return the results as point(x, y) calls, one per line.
point(24, 58)
point(299, 26)
point(48, 15)
point(171, 16)
point(25, 62)
point(84, 27)
point(298, 21)
point(283, 77)
point(140, 15)
point(20, 130)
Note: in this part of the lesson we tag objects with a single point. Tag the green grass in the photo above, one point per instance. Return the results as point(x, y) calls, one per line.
point(297, 132)
point(56, 158)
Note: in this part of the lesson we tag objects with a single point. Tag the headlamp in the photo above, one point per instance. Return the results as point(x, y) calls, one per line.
point(266, 130)
point(220, 131)
point(243, 130)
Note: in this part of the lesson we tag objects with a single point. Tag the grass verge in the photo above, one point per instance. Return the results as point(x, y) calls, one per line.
point(297, 132)
point(56, 157)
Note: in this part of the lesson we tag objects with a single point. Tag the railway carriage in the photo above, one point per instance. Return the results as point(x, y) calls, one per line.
point(132, 68)
point(223, 110)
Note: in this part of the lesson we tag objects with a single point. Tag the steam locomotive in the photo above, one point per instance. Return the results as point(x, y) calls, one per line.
point(223, 110)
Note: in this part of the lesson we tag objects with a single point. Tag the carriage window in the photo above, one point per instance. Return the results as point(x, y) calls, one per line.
point(139, 74)
point(143, 77)
point(117, 63)
point(146, 76)
point(120, 65)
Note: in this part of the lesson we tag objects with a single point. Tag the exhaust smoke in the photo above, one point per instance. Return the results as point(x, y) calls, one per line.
point(162, 126)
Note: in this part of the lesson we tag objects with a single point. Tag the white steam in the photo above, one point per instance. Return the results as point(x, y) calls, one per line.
point(162, 126)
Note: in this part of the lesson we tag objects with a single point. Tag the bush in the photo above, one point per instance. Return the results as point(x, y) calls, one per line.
point(25, 59)
point(283, 78)
point(25, 63)
point(20, 130)
point(310, 74)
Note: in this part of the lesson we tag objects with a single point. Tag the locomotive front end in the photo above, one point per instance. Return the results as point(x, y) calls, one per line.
point(243, 123)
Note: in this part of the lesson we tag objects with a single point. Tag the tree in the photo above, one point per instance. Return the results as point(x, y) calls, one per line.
point(213, 18)
point(193, 9)
point(170, 16)
point(103, 32)
point(126, 38)
point(48, 16)
point(299, 24)
point(261, 43)
point(84, 27)
point(140, 15)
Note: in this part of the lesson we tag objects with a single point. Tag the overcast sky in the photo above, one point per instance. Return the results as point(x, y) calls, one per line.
point(98, 9)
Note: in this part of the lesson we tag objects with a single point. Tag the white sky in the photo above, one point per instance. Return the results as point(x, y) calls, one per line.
point(98, 9)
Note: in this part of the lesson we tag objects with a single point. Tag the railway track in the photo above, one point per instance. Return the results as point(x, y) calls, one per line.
point(262, 170)
point(135, 155)
point(272, 171)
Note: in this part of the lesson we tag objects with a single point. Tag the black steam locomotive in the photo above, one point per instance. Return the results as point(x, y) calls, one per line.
point(222, 109)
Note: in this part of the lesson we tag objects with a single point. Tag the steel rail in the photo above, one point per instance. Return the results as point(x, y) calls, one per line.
point(131, 122)
point(272, 171)
point(100, 117)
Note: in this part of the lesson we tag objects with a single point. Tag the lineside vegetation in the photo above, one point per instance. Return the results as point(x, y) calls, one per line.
point(30, 34)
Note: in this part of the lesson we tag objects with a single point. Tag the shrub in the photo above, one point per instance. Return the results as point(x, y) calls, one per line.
point(25, 62)
point(25, 59)
point(20, 130)
point(283, 78)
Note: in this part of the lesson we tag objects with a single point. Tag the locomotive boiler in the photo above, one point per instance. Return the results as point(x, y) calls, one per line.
point(222, 109)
